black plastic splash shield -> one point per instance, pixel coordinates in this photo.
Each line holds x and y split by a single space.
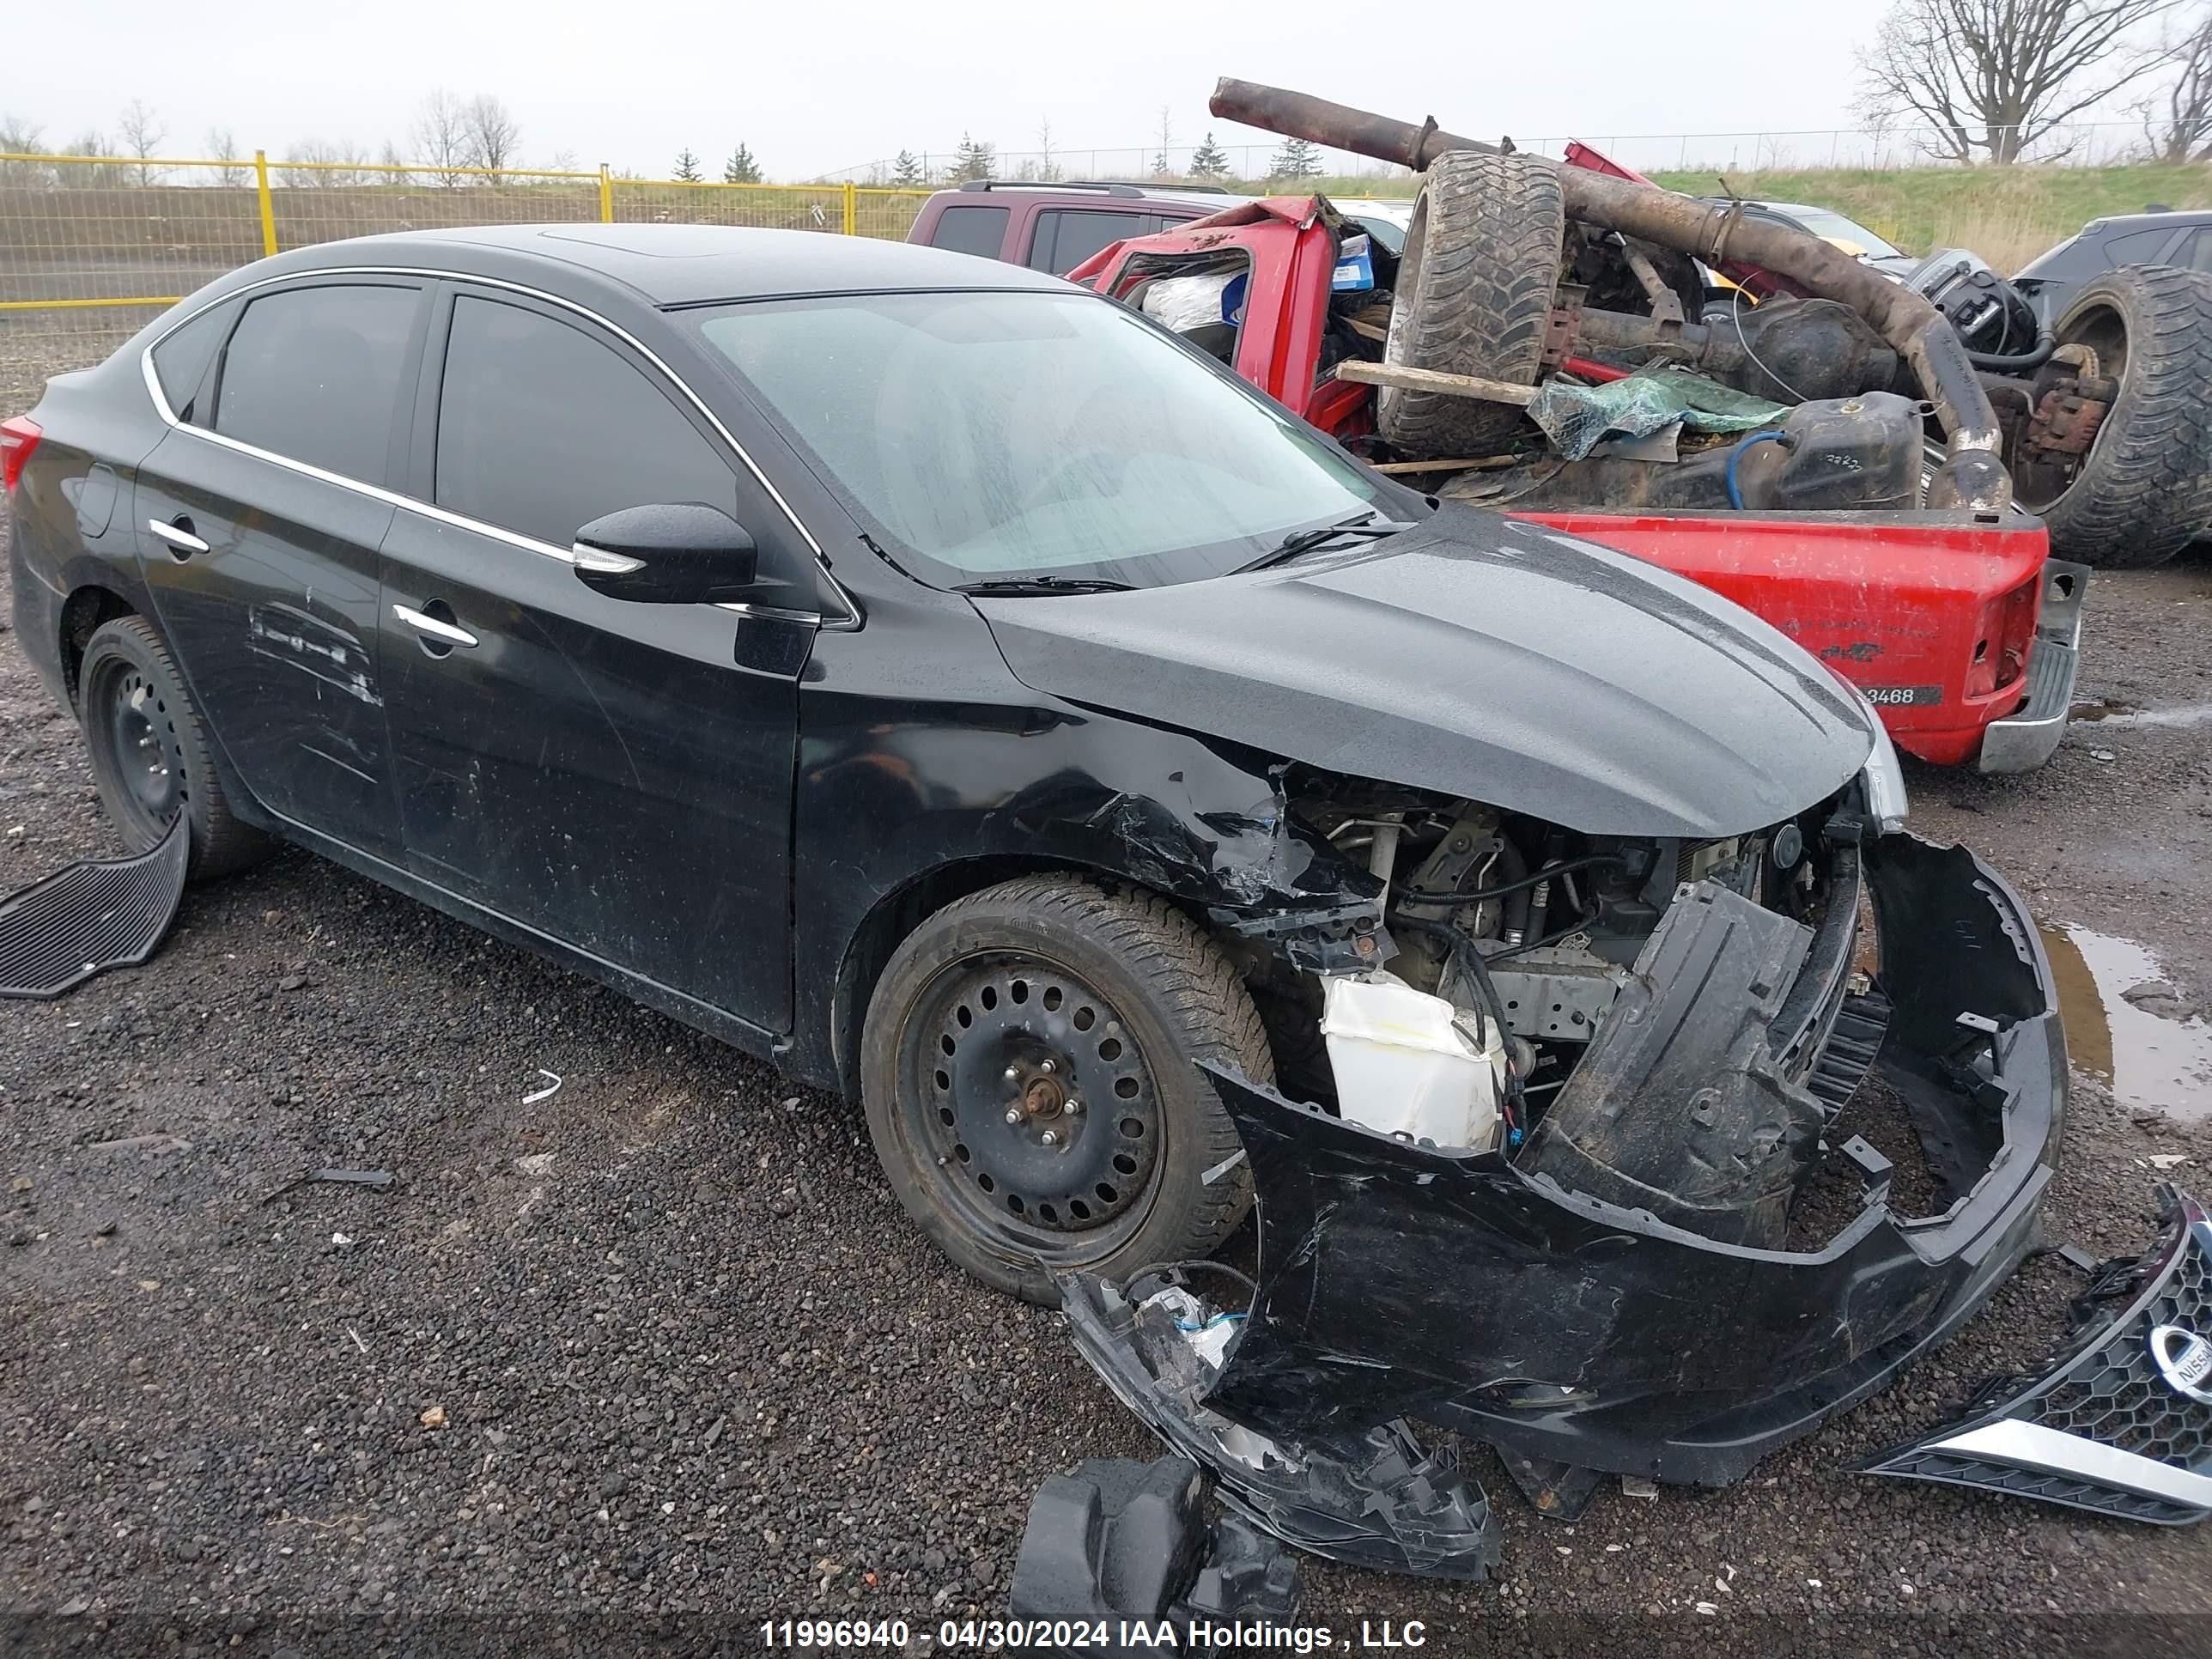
90 916
1371 1497
1118 1542
2105 1428
1399 1280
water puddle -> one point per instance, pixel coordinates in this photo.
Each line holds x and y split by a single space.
2112 713
2151 1059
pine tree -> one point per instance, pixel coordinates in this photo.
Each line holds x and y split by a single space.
1295 160
907 170
741 169
687 168
974 159
1209 160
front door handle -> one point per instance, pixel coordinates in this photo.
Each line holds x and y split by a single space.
179 535
445 632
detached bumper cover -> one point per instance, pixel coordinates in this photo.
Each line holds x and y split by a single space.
1398 1280
2122 1425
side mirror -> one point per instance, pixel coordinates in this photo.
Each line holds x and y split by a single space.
678 553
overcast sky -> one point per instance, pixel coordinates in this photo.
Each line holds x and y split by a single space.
811 88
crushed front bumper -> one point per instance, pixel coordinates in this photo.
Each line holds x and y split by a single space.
2122 1424
1398 1280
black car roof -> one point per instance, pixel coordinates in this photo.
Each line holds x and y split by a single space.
674 265
2162 219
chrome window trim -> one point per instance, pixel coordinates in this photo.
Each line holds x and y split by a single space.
850 621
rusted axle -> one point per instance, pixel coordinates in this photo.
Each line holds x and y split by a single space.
1971 474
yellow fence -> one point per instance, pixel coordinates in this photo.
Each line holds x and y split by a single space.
92 247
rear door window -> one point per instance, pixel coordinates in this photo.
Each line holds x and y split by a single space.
1066 237
2141 247
181 359
978 230
313 374
542 427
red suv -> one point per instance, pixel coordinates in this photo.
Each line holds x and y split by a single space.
1054 227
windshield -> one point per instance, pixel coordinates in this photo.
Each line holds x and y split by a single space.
1834 228
989 435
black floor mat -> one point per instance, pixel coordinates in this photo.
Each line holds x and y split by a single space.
91 916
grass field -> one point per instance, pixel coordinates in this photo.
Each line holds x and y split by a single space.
2007 214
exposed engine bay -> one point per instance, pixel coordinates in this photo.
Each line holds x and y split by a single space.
1519 944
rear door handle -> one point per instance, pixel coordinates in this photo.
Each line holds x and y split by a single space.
178 536
444 632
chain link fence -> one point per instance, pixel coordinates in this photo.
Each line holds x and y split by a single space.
93 247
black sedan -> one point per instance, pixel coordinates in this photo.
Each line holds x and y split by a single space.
941 682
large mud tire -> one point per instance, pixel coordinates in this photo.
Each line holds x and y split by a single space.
1475 294
2144 490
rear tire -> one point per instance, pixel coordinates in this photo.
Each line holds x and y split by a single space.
2144 490
150 749
1018 1000
1475 294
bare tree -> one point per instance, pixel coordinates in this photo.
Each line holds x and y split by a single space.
319 165
221 146
1996 77
91 142
1161 166
142 133
22 137
441 137
1048 170
391 165
494 136
2178 120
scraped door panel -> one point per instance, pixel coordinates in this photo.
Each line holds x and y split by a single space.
275 627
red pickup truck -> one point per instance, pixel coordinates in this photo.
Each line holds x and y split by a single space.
1958 627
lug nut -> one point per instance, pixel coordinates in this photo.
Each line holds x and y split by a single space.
1013 1074
1074 1107
1046 1066
1050 1136
1013 1114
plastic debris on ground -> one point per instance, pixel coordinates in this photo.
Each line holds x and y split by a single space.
92 915
1576 418
1374 1498
1120 1543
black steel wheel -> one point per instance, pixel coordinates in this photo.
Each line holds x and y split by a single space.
1027 1072
150 750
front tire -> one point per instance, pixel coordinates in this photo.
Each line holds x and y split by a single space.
1027 1080
150 749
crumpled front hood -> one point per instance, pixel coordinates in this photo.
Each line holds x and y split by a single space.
1477 656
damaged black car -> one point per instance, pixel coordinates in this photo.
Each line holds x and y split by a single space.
948 685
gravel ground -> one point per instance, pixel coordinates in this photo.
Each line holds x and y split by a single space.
659 1357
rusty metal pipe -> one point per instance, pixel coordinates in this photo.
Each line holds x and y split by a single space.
1971 475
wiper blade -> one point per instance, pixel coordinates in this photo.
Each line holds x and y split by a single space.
1018 586
1305 541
